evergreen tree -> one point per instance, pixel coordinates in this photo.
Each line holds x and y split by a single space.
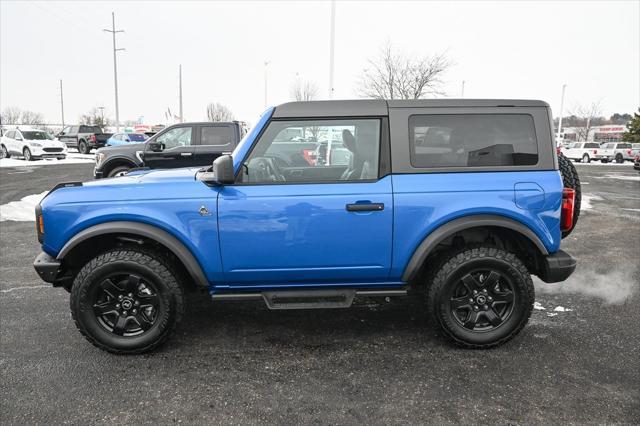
633 129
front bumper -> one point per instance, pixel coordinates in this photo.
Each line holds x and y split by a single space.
47 267
557 267
98 174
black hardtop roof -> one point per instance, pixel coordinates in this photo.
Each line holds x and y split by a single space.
378 107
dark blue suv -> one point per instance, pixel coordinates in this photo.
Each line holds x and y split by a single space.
457 200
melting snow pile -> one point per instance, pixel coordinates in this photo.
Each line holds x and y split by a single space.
23 210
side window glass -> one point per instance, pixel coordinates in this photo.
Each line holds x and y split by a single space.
456 140
73 130
11 134
315 151
66 130
176 138
216 135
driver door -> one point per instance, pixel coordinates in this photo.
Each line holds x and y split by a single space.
171 149
287 224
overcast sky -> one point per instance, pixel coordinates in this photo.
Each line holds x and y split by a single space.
502 49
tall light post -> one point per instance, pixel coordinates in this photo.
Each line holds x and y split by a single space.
462 91
332 44
61 103
266 63
180 76
101 108
564 86
113 32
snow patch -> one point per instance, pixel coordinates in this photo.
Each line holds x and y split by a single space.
23 210
619 177
538 307
550 314
562 309
586 201
71 159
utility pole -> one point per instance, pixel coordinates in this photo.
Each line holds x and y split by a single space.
332 43
101 108
462 92
61 103
564 86
113 32
180 76
266 104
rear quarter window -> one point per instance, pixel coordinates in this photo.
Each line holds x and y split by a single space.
472 140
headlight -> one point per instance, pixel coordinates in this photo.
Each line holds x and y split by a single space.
99 158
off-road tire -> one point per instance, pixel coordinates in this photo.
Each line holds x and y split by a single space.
149 265
116 170
83 148
449 274
4 153
570 179
26 154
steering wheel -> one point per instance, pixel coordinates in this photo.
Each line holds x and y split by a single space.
264 169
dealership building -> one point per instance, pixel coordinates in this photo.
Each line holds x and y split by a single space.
605 133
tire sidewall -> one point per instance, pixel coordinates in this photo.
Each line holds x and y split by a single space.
518 314
83 300
586 158
28 157
4 152
117 170
82 147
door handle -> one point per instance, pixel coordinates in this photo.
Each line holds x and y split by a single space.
186 154
365 207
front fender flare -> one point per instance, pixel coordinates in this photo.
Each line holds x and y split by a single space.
457 225
143 230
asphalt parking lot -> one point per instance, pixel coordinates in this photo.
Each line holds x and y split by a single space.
377 362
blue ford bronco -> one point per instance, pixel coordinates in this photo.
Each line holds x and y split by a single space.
456 200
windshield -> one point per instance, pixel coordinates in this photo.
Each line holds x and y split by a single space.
36 135
137 137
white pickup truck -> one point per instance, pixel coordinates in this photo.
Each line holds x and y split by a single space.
582 151
618 151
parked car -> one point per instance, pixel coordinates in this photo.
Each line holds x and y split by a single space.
619 151
84 138
31 144
126 138
180 145
636 162
635 149
582 151
413 210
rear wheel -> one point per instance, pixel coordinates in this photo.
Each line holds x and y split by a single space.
83 148
26 153
586 158
4 153
127 301
481 297
570 179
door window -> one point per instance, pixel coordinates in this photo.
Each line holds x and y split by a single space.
11 134
309 151
66 130
216 135
472 140
73 130
176 138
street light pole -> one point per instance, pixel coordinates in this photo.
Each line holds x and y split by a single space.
181 116
265 83
332 43
564 86
61 103
113 32
101 108
462 92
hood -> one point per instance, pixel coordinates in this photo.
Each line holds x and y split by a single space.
47 143
126 147
138 177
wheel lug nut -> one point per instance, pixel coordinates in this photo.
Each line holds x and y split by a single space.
120 297
117 305
475 291
130 294
485 307
490 299
475 307
135 311
136 303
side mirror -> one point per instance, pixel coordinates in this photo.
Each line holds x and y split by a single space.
221 171
60 134
155 146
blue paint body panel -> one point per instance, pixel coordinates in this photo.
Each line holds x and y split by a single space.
260 237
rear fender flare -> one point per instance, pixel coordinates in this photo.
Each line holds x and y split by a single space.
148 231
446 230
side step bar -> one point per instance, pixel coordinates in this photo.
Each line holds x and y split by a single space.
308 299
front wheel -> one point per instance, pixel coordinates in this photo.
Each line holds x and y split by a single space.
4 153
83 148
481 297
119 171
26 153
127 301
586 158
619 159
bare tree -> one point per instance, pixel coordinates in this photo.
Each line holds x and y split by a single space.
393 75
14 115
218 112
304 90
586 117
95 117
